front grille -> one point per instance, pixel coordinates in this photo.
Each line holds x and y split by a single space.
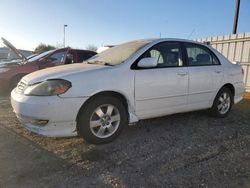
20 87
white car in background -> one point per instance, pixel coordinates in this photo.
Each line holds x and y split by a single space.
103 48
124 84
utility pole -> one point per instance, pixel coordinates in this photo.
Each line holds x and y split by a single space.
236 15
64 26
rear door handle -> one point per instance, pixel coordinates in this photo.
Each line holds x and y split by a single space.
218 71
182 73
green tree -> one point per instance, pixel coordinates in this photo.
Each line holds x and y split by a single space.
43 48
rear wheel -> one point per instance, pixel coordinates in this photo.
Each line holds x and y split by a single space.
101 120
223 103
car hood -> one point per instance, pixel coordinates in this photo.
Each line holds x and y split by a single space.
16 51
59 72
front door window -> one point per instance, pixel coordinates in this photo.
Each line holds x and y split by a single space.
166 54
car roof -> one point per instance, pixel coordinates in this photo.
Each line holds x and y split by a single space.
156 40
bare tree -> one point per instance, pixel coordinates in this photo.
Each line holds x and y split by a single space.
91 47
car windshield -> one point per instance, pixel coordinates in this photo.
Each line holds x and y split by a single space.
118 54
31 56
37 57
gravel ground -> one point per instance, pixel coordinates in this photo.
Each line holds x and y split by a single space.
182 150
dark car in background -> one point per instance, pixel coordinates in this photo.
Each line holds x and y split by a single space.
10 74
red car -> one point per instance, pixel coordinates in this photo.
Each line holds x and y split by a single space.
10 74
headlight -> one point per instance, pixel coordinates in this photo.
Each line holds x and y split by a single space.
48 88
3 70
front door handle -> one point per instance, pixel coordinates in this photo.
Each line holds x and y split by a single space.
182 73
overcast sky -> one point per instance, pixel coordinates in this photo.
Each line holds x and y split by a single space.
26 23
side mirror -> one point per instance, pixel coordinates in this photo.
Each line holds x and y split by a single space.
147 62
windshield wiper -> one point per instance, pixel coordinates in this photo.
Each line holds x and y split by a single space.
100 63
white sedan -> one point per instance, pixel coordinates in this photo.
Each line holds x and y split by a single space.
129 82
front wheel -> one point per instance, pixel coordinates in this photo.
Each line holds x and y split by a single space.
101 120
223 103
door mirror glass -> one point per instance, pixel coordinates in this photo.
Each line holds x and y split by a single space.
147 62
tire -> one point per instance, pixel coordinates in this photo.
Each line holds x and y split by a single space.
102 120
223 103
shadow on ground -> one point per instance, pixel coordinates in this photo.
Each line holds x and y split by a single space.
182 150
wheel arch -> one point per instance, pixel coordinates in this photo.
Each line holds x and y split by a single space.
230 87
226 85
115 94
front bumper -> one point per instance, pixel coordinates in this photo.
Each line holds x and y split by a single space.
60 113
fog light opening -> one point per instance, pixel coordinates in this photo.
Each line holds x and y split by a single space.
40 122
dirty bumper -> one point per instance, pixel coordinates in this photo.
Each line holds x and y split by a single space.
51 116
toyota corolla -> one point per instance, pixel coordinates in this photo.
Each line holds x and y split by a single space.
136 80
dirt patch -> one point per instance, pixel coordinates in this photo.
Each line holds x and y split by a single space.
247 95
182 150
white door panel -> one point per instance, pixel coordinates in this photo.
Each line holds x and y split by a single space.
160 91
205 75
204 83
200 84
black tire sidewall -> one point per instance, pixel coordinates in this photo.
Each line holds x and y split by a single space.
215 111
83 127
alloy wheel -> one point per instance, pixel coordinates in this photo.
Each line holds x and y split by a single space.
104 121
224 103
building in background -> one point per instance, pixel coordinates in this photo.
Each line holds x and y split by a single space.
8 55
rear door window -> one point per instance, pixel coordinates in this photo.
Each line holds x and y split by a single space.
199 56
